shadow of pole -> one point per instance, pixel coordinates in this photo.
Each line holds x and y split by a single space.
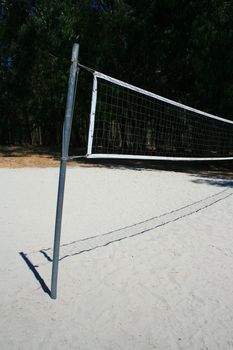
35 273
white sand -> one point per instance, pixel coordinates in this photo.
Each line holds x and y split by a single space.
168 286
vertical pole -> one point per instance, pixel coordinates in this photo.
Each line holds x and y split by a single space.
73 78
92 116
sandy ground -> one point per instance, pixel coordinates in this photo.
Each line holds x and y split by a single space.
146 260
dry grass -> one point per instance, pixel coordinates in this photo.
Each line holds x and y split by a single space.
24 157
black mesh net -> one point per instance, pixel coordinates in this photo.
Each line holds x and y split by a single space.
128 122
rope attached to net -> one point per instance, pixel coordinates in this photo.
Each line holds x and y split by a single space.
86 68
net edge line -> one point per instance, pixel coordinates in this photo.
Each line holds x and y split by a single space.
139 157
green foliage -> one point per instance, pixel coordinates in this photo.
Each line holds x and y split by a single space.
180 49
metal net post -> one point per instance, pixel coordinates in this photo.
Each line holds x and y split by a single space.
73 78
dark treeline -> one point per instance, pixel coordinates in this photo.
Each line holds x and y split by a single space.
181 49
